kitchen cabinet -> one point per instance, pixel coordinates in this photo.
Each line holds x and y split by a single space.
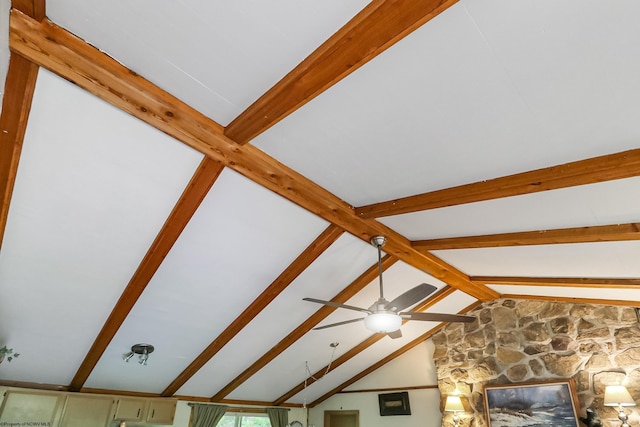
21 407
129 408
86 410
161 411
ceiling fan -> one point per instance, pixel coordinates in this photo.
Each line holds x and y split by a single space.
384 316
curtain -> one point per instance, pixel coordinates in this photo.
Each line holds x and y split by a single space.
207 415
279 417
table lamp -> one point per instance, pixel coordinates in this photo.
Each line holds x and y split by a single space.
454 404
618 395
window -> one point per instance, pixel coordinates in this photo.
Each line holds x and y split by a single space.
241 420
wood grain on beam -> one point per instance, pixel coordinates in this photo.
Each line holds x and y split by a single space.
200 184
299 265
64 54
600 283
36 9
437 297
371 31
386 360
343 296
597 301
597 169
603 233
16 105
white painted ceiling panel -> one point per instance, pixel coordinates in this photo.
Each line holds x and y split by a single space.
199 289
94 187
601 259
570 77
218 56
603 203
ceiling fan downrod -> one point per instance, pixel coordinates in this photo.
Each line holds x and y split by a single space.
378 242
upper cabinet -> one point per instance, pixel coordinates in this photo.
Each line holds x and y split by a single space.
86 410
161 411
129 408
63 409
21 407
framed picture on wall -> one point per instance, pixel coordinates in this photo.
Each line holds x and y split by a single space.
394 404
548 403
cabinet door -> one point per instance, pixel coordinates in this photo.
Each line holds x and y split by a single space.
129 409
35 408
86 411
161 411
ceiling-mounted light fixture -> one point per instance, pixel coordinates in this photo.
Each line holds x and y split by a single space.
142 350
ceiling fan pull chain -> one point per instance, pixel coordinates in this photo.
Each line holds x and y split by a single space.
333 345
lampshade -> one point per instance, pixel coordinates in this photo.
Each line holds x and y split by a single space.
383 322
617 395
453 404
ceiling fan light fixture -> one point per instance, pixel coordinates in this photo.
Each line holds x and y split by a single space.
383 322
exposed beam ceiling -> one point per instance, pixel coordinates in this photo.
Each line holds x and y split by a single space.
59 51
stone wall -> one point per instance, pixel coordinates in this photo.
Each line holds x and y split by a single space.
516 341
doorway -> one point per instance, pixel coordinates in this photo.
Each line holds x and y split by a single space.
341 418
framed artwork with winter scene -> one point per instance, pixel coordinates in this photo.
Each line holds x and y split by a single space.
548 403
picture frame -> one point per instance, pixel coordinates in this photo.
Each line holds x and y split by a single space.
394 404
533 403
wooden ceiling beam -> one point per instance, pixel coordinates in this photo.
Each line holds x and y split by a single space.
19 86
602 233
354 351
596 283
203 179
596 301
402 350
16 105
66 55
299 265
378 26
597 169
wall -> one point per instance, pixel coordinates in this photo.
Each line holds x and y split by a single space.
518 341
414 368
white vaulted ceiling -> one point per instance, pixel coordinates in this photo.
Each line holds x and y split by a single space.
184 173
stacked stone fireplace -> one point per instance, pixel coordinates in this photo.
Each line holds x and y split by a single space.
515 341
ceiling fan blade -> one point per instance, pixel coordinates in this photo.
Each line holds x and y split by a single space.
395 334
337 304
338 324
411 297
437 317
